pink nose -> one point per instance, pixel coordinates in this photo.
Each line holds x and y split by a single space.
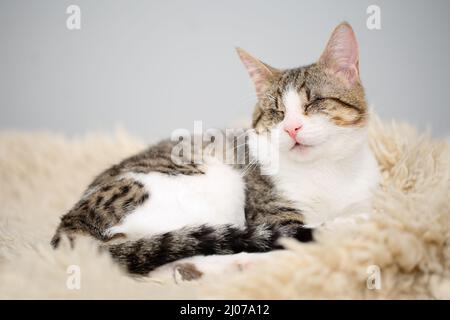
292 129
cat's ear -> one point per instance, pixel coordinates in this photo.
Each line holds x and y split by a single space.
261 73
341 54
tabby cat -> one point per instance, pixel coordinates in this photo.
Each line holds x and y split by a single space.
150 210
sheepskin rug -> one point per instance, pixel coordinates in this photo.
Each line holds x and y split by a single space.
402 253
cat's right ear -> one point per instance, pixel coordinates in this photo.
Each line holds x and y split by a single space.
261 73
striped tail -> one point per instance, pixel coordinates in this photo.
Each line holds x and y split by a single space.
143 255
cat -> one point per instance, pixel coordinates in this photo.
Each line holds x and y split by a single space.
150 210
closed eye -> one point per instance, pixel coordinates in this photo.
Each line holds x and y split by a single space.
276 112
337 100
313 102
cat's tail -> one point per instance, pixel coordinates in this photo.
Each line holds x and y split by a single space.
143 255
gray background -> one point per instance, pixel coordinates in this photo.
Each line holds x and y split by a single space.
153 66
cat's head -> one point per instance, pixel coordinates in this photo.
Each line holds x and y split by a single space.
318 110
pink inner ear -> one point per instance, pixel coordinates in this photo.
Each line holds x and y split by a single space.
259 73
351 74
259 77
341 53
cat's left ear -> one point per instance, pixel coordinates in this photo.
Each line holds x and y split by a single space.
341 54
261 73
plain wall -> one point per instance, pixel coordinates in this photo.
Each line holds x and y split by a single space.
154 66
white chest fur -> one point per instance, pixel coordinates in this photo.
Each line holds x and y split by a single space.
325 190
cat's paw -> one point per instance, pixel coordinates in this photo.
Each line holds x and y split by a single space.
186 272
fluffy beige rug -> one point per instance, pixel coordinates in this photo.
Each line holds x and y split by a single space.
404 252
